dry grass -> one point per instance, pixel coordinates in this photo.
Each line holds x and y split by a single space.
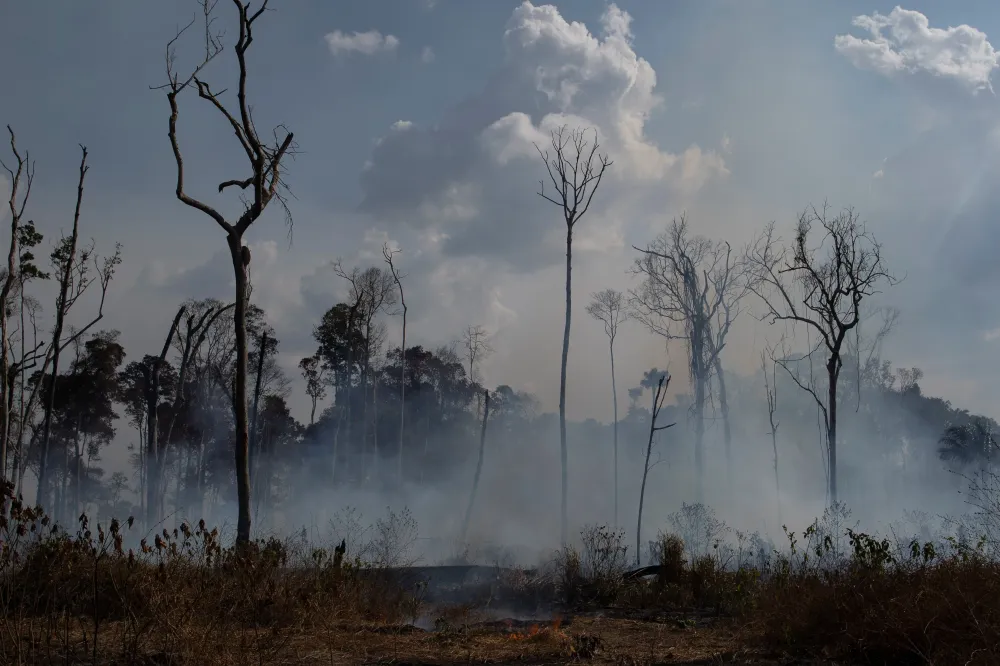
181 598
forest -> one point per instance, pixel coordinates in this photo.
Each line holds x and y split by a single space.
469 473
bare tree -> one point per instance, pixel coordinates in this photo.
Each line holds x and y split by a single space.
72 265
388 254
479 466
835 278
771 391
608 307
154 457
21 175
691 290
265 182
575 169
659 394
478 347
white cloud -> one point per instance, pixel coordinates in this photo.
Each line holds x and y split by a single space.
427 55
466 176
903 41
991 335
365 43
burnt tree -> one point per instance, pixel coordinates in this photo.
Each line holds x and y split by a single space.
264 159
575 169
608 308
821 287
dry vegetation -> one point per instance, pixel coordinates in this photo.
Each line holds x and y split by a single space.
181 598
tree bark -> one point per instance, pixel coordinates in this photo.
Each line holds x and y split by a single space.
254 446
833 372
563 453
240 403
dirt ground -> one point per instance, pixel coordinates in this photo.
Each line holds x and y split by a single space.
464 637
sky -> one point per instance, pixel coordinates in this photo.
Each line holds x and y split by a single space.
415 121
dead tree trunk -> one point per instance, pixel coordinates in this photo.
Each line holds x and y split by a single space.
771 389
388 254
575 178
154 458
254 446
658 397
607 307
479 467
24 169
61 302
240 399
265 182
727 433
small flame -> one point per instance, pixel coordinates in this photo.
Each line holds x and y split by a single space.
535 630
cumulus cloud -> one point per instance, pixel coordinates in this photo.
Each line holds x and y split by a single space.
427 55
904 42
365 43
466 177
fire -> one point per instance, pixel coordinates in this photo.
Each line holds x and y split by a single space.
535 630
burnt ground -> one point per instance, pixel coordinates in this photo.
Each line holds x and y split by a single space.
458 635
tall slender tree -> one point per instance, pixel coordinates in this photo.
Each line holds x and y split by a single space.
575 169
388 255
265 182
71 264
608 307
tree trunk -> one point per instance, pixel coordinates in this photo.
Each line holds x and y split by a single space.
61 308
699 431
402 398
614 399
833 373
242 430
7 387
563 454
256 398
154 486
479 467
645 470
78 493
727 432
51 400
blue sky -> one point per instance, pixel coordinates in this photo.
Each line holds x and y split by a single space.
754 114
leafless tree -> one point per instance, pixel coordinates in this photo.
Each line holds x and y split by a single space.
834 278
479 467
608 307
575 169
154 457
767 368
388 254
659 394
477 346
692 289
22 175
72 266
265 182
